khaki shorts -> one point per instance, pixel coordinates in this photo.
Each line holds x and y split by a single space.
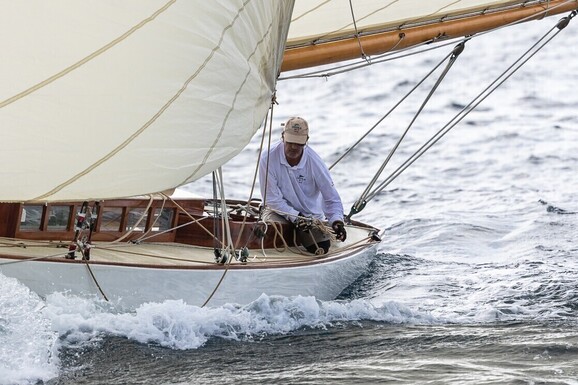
306 238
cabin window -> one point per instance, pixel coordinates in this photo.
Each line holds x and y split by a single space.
134 218
58 218
31 217
111 218
163 219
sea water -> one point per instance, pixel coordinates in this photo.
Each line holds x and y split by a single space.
475 281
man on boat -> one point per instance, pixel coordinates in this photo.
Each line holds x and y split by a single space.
296 186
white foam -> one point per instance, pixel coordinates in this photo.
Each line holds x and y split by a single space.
32 331
28 345
176 325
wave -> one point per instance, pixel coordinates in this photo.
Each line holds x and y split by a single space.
177 325
68 323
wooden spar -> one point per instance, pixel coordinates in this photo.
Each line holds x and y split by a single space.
333 52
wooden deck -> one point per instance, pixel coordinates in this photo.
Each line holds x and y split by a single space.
159 233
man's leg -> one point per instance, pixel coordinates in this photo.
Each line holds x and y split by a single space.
315 241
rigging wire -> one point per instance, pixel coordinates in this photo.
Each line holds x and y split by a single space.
513 68
268 151
362 200
215 216
228 242
194 220
87 264
268 118
363 55
415 87
225 217
224 211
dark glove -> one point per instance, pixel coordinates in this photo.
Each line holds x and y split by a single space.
303 223
339 230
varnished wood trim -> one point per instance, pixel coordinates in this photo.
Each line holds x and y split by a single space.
333 52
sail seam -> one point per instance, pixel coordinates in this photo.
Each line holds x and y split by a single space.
326 37
86 59
311 11
150 121
227 116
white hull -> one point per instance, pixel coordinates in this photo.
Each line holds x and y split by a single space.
127 287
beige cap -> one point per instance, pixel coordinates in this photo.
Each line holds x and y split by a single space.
296 131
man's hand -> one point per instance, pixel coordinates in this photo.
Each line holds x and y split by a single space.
303 223
339 229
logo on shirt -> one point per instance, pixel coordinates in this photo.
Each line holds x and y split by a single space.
301 179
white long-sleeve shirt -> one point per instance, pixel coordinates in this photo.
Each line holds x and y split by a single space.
306 188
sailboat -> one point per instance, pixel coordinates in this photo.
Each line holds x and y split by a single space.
107 108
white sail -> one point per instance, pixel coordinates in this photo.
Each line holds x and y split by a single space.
306 25
103 99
